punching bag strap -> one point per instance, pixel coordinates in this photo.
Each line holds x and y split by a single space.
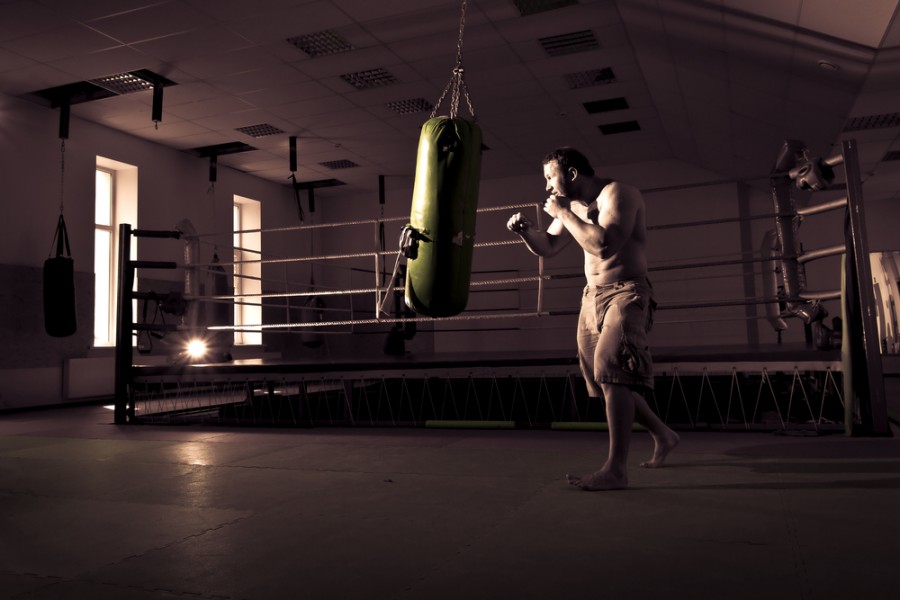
409 247
61 239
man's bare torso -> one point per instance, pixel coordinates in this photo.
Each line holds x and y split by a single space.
628 261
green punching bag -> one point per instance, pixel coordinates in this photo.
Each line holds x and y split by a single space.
442 218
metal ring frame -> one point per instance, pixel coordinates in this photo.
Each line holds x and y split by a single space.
855 249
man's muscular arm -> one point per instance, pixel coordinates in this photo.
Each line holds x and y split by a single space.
540 243
605 233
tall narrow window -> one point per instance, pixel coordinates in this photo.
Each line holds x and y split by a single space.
247 271
104 268
115 202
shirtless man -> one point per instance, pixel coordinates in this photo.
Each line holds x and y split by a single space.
606 218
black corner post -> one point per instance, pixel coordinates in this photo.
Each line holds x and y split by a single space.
861 350
124 408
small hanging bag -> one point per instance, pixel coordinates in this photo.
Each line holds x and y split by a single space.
59 286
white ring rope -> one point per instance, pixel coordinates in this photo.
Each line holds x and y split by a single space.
349 223
485 282
372 321
300 259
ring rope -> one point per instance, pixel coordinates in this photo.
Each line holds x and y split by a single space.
391 320
720 263
351 223
718 221
800 213
294 259
506 281
372 321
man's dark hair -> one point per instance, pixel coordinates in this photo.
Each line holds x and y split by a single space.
567 157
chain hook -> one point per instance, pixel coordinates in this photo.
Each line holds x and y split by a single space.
457 84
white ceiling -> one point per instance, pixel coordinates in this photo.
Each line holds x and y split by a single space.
718 84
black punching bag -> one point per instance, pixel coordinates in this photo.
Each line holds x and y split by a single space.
59 286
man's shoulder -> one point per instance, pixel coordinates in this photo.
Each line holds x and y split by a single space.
620 189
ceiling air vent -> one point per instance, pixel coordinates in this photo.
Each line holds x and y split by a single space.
584 79
873 122
620 127
363 80
339 164
408 107
531 7
321 43
892 155
259 131
570 43
607 105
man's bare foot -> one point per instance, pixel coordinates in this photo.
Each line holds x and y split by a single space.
663 445
600 480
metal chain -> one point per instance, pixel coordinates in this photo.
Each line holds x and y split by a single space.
459 41
456 84
62 174
454 99
465 89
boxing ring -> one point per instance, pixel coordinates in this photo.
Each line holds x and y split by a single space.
809 389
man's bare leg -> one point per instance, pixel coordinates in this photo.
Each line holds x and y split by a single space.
664 438
620 411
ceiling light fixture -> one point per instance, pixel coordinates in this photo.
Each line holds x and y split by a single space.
583 79
828 65
123 83
605 105
371 78
339 164
570 43
260 130
620 127
321 43
531 7
413 105
882 121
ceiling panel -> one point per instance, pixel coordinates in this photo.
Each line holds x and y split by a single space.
715 84
843 19
785 11
43 46
149 22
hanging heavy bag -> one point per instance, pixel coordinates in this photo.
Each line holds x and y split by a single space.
59 286
442 218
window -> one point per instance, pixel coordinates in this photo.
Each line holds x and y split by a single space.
247 275
115 202
104 202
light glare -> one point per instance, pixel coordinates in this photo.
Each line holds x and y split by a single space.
196 348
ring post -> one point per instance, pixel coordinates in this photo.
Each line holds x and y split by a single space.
124 326
861 353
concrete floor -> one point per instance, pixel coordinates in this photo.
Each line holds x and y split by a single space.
93 510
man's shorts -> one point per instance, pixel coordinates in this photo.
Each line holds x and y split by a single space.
612 335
